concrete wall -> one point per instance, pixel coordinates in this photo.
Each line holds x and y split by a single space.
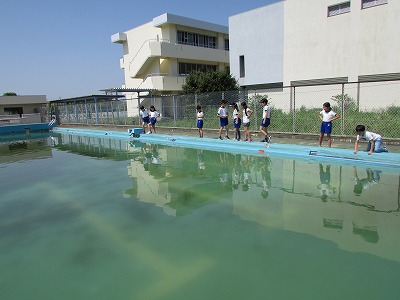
296 40
360 42
258 35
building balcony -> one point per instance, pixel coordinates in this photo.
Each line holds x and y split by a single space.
118 38
152 49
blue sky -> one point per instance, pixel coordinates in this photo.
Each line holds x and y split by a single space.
63 49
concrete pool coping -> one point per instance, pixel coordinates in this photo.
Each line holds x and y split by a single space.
305 152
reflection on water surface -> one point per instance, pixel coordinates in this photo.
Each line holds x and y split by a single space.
105 219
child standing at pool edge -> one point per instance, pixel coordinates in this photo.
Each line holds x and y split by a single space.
236 121
374 140
200 117
327 115
266 120
247 112
153 119
143 113
223 119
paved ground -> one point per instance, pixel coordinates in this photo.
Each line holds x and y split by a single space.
298 139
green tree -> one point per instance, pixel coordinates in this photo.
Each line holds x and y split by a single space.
253 101
10 94
205 82
346 101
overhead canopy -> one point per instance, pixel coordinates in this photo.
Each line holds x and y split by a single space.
127 90
110 94
87 98
159 96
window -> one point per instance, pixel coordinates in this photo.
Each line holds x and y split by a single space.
187 68
241 66
211 42
191 37
226 44
371 3
194 39
338 9
13 111
202 40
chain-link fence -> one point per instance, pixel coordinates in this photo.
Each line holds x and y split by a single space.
294 109
105 112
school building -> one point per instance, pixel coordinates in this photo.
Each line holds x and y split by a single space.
308 42
160 54
289 43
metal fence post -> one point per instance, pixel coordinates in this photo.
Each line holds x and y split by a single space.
67 112
95 111
291 100
342 112
162 106
124 111
119 121
86 113
112 112
294 110
76 112
107 109
174 109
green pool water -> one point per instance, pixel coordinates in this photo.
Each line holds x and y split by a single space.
90 218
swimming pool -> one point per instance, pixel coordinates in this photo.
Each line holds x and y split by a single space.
91 217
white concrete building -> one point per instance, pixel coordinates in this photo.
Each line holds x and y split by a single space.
160 54
292 43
